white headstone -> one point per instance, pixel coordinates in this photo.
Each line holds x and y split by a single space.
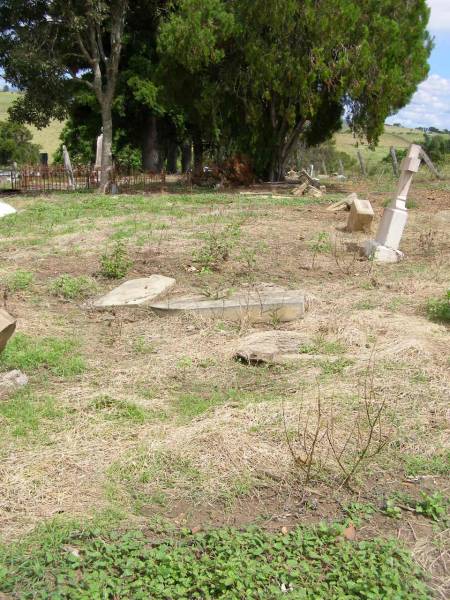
68 167
6 209
385 247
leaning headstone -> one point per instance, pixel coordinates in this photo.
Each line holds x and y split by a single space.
344 204
271 347
263 306
136 292
385 246
299 190
11 382
361 216
6 209
7 328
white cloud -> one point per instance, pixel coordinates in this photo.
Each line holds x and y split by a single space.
429 107
440 15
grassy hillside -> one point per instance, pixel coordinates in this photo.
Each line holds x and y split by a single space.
47 138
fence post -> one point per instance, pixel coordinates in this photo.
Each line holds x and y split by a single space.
427 160
362 164
324 168
394 161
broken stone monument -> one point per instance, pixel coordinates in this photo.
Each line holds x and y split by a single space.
6 209
136 292
68 168
99 151
361 216
265 306
385 247
7 328
11 382
271 347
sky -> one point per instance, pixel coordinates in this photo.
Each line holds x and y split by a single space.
430 105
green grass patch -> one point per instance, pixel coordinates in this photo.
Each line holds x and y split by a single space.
120 410
78 563
19 281
72 288
322 346
58 356
25 414
438 309
437 464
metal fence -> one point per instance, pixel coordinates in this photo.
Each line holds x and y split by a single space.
56 178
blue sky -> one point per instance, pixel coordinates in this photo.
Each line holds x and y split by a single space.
430 106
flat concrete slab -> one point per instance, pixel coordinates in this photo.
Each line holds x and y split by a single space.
271 347
257 307
6 209
136 292
7 328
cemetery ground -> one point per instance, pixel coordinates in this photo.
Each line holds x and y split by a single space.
143 422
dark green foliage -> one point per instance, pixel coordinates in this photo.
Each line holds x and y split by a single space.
16 145
306 564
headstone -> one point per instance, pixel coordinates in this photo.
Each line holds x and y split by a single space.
99 151
271 347
11 382
345 203
6 209
311 171
68 167
263 306
361 216
136 292
299 190
385 247
7 328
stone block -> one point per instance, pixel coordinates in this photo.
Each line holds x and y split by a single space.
361 216
410 164
136 292
256 307
271 347
7 328
11 382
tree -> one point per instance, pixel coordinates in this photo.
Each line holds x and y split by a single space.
293 68
49 46
16 145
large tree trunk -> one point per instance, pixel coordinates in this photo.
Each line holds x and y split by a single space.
172 156
186 157
283 150
107 146
150 147
199 151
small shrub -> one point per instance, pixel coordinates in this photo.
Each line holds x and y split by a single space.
217 247
19 281
116 264
438 309
58 356
72 288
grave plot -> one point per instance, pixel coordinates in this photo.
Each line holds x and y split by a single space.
191 419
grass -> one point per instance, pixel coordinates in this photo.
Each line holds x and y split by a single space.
120 410
438 309
436 464
60 357
308 563
72 288
25 414
19 281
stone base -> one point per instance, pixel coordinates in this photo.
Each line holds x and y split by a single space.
378 253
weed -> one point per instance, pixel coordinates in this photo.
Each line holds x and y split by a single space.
427 242
433 506
58 356
437 464
76 562
364 305
438 309
334 367
19 281
141 346
322 346
357 512
217 247
320 245
72 288
115 264
120 409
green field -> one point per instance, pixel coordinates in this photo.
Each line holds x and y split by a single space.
47 138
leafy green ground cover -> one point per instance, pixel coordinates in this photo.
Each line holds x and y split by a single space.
307 563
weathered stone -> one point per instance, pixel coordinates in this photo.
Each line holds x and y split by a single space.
11 382
6 209
361 216
136 292
271 347
7 327
345 203
257 307
313 191
299 190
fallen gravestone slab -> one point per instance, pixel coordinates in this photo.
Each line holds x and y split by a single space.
361 216
11 382
6 209
136 292
345 203
258 307
271 347
7 327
